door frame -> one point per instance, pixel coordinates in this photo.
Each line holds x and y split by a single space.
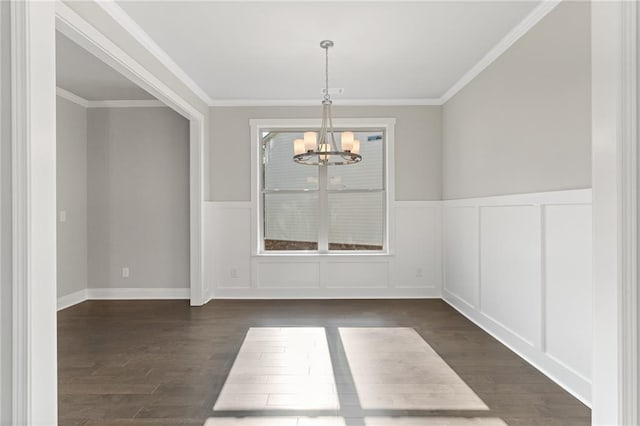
33 341
72 25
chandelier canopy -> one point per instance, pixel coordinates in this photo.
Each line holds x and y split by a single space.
322 149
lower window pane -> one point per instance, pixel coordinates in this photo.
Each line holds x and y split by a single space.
356 221
291 221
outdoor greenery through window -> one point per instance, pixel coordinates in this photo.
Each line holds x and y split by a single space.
322 208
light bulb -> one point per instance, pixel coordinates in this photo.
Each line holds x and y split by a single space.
298 147
356 147
324 147
310 141
347 141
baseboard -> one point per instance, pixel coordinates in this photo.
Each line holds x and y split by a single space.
137 293
326 294
72 299
122 294
559 373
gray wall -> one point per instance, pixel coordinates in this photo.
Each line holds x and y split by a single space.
71 196
5 216
524 124
114 31
138 198
417 147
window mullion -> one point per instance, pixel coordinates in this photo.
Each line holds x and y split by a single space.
323 210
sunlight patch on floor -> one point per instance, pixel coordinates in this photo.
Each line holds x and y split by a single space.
275 421
394 368
433 421
281 369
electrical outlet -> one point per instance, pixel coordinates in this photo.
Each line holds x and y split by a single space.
233 272
125 272
418 272
62 216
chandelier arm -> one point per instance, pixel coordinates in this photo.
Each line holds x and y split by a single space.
323 127
334 146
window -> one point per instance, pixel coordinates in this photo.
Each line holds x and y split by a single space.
319 209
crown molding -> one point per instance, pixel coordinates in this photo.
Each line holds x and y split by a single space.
72 97
143 103
135 103
132 27
503 45
316 102
118 14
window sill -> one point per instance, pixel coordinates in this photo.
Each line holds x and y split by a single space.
323 255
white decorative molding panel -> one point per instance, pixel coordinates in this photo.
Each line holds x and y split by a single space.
519 266
412 269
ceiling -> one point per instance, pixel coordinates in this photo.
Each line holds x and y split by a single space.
84 75
269 50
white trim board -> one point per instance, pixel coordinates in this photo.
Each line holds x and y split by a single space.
489 326
71 299
132 27
33 187
122 294
137 293
317 102
71 97
503 45
133 103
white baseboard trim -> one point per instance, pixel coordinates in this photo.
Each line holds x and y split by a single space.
137 293
72 299
122 294
559 373
326 294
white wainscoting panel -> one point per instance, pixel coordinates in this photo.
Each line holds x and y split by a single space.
568 295
461 253
294 275
412 269
353 274
519 266
417 245
510 268
227 245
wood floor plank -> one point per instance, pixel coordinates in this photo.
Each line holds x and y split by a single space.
165 363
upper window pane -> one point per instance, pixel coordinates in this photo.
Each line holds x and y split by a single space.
369 173
280 171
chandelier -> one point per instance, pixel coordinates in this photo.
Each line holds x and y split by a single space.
323 150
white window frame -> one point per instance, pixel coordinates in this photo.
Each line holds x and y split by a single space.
387 125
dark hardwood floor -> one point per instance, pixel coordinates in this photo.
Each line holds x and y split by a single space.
164 363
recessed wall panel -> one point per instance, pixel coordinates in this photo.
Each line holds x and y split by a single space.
461 252
568 286
233 247
357 274
416 247
510 268
288 275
